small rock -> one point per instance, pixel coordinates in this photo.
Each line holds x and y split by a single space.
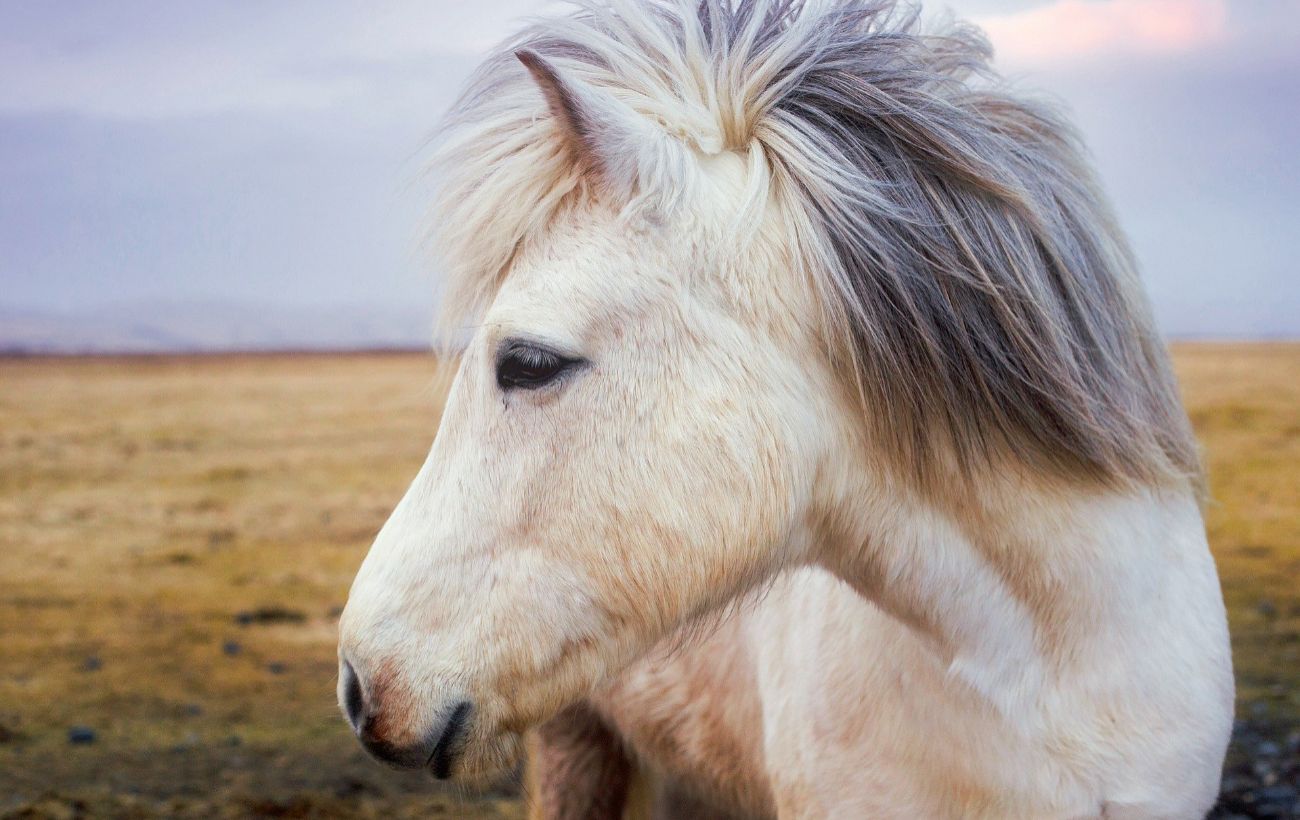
269 615
1234 783
232 648
192 710
92 663
1277 794
81 735
276 668
351 787
1268 749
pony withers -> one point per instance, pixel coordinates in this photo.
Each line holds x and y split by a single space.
813 452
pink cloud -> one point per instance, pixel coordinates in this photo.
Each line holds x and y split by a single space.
1073 30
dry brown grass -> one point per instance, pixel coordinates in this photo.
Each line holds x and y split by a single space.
146 503
1244 400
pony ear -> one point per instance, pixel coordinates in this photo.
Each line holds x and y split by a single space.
621 148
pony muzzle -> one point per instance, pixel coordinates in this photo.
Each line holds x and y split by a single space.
385 736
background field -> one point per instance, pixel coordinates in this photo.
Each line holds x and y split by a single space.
177 535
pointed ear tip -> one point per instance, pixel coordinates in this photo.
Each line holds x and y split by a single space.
545 74
537 66
531 59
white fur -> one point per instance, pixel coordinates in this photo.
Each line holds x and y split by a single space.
1033 646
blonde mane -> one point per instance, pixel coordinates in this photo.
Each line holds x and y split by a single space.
978 289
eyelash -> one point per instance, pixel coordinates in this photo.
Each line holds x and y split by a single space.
527 366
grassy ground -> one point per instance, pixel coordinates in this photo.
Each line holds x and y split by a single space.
1244 401
177 535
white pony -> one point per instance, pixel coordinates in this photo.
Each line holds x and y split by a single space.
814 453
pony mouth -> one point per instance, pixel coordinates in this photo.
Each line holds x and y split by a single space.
452 744
476 761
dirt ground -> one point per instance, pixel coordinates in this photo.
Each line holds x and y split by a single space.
177 536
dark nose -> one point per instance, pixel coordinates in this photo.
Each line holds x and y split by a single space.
438 750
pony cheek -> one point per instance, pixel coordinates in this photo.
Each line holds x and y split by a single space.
535 638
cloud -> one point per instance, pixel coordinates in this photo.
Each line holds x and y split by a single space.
1071 31
270 152
203 59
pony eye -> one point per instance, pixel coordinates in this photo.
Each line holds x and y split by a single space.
528 367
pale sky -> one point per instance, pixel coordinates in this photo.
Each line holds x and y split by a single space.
270 153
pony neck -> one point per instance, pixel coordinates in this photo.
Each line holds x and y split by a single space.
1014 587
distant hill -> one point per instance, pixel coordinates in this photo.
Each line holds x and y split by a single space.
192 327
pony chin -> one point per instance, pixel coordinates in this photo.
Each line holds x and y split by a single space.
488 761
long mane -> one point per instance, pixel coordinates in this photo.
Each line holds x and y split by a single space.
980 295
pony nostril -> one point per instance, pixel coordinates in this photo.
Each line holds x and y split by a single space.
353 700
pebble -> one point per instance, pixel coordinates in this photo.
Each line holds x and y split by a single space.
269 615
232 648
81 735
92 663
1262 777
1278 794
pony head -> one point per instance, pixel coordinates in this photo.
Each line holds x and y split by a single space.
730 274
